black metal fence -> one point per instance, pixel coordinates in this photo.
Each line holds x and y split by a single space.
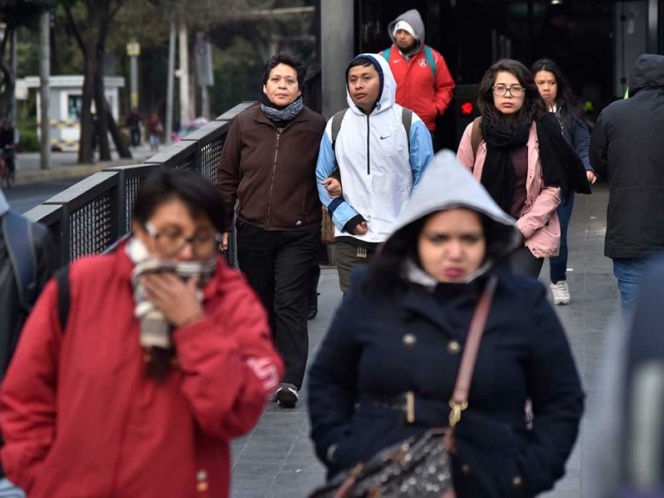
90 216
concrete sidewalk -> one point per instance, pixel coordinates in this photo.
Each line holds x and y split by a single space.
65 165
277 460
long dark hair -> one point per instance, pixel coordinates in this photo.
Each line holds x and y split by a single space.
533 104
566 100
202 199
385 269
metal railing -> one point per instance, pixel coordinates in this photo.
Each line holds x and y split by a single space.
90 216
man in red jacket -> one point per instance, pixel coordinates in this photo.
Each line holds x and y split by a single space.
424 83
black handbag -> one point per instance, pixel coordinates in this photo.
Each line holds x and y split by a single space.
419 467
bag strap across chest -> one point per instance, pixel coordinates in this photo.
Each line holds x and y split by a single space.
459 401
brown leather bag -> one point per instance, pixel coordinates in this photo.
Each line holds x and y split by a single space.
419 467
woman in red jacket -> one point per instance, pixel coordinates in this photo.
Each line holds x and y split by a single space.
165 355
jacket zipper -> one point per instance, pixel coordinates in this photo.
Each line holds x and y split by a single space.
368 147
274 170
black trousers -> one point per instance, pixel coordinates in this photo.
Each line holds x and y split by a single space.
314 277
278 265
524 263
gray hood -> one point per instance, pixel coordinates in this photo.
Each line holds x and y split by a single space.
413 18
4 205
647 73
447 184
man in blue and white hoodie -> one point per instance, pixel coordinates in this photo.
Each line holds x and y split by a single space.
378 159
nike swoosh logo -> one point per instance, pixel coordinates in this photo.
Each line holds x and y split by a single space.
386 136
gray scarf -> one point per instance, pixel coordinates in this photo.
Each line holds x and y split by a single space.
281 115
155 328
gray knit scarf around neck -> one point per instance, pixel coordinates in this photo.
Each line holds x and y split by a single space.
281 115
155 328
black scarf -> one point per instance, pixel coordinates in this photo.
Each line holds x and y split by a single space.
561 165
498 172
281 115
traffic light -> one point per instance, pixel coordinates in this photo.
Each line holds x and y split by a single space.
467 108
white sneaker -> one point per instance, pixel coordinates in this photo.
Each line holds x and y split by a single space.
560 292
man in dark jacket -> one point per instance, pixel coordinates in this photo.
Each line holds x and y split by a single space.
626 145
14 303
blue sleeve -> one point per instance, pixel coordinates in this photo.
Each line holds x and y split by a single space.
581 142
339 210
421 149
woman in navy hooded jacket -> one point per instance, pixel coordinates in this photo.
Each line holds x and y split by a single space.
557 93
401 332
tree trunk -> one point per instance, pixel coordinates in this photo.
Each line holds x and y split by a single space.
85 152
100 106
121 145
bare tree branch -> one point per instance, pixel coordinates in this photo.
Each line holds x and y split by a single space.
75 29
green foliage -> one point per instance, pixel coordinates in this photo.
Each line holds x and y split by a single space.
237 76
29 141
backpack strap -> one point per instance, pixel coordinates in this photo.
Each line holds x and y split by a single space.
386 54
428 54
476 135
336 125
17 234
407 120
64 296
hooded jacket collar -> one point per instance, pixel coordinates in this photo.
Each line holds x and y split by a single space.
388 91
447 184
413 18
647 73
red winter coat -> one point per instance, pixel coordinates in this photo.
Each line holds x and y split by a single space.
81 419
416 88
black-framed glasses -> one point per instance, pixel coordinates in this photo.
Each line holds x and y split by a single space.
515 91
171 244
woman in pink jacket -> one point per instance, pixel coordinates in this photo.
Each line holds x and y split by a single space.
505 153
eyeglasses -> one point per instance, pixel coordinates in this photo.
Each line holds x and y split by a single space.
515 91
170 244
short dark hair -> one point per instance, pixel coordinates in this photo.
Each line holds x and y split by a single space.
533 104
201 196
289 59
360 61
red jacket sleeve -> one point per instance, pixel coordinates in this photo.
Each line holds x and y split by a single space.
444 85
27 398
230 367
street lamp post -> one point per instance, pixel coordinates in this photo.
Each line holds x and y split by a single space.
133 51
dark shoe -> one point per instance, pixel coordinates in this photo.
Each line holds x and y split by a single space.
312 313
287 395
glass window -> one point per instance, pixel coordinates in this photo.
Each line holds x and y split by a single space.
75 105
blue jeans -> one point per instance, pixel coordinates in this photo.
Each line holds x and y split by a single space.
629 273
558 264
